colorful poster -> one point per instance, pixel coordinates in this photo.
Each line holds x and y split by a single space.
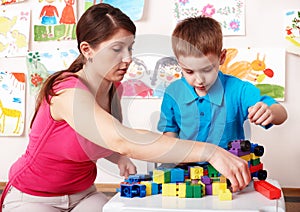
14 32
134 8
264 67
292 31
12 103
149 75
41 64
54 20
230 13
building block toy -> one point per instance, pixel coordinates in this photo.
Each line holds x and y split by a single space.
133 190
267 189
195 180
225 195
138 178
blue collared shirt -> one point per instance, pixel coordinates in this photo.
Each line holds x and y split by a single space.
217 117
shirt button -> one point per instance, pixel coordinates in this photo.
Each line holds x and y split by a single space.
202 114
201 100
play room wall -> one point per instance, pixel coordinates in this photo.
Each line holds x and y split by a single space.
264 28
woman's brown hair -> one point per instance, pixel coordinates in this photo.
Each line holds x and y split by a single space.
97 24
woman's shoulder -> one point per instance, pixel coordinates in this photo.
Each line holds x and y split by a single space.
69 80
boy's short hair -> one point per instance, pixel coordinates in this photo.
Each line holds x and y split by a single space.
197 36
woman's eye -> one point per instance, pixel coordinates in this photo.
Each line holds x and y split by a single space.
117 49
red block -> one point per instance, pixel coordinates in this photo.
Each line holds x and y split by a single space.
256 168
267 189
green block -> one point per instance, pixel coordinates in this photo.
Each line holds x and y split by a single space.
255 161
189 191
167 175
197 191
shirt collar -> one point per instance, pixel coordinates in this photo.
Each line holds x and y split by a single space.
215 94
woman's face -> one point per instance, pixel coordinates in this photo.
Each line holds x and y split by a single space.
112 57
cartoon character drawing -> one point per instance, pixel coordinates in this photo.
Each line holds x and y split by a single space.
289 31
68 19
7 24
166 71
132 85
48 15
9 112
254 71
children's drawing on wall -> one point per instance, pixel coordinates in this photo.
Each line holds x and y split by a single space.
133 8
148 76
41 64
230 13
14 32
54 20
6 2
264 67
12 103
292 31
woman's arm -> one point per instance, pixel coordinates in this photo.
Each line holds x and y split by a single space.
79 109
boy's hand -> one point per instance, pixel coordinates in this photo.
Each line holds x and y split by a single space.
260 114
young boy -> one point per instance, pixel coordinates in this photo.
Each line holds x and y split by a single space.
205 104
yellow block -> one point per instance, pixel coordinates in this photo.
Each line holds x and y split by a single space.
182 190
246 157
148 187
196 172
225 195
169 189
158 176
253 156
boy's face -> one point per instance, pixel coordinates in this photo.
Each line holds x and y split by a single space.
201 72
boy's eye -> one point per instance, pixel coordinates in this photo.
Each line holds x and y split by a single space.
188 71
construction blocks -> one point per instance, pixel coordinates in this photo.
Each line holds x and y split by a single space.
199 179
267 189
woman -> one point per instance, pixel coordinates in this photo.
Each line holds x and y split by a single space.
78 120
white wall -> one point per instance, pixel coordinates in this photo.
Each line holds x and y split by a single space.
264 28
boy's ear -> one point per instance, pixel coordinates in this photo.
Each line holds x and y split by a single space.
86 49
223 56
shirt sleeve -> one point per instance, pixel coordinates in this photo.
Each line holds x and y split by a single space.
251 95
167 121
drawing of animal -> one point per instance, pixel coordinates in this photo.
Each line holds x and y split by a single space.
254 71
8 112
20 39
3 47
7 24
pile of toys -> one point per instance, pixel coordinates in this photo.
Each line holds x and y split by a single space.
198 180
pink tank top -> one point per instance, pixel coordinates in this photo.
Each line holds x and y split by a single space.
58 161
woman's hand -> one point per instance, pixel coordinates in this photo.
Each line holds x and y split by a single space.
235 169
125 165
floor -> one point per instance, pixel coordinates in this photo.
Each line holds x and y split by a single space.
292 200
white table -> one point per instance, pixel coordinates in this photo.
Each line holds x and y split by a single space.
246 200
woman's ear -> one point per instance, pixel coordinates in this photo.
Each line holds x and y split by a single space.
223 56
86 49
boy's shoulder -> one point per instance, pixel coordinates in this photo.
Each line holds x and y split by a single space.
176 84
233 81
